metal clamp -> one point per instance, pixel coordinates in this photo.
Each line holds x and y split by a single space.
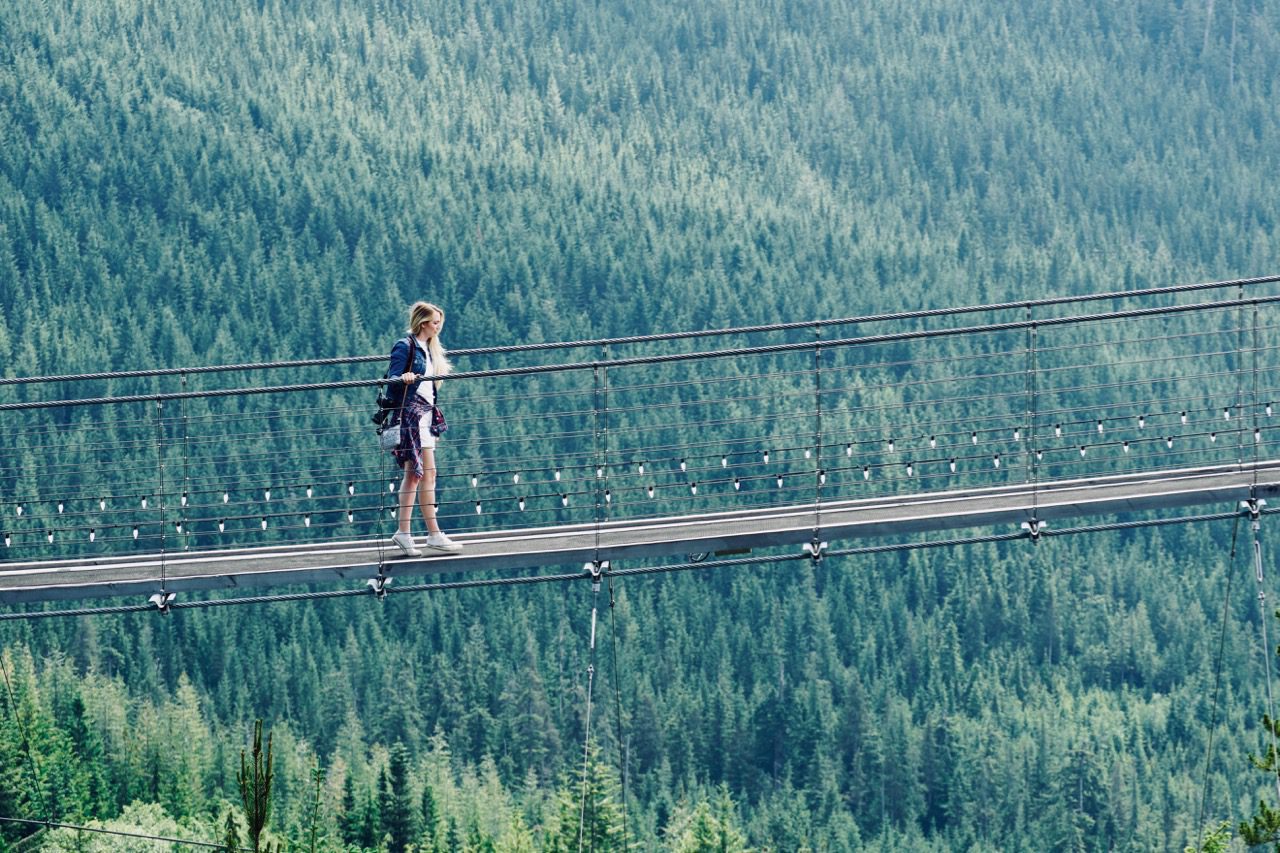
162 600
1034 527
597 568
1254 506
379 585
815 549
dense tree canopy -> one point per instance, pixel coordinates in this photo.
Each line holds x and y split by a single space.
229 180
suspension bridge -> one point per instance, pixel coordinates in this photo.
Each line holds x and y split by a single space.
1012 419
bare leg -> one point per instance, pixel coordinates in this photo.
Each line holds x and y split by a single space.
408 492
427 490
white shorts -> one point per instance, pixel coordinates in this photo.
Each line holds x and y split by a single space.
424 432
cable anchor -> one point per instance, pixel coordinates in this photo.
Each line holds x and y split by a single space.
162 600
815 549
1034 528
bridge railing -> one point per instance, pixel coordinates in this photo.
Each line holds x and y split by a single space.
595 432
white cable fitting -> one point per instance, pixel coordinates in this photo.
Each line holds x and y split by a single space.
162 600
379 586
815 549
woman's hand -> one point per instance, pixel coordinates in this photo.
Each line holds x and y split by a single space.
408 378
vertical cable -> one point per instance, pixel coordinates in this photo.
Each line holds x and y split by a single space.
1217 684
1239 354
160 489
1257 434
591 677
186 470
39 798
1267 651
1033 404
600 375
818 474
617 701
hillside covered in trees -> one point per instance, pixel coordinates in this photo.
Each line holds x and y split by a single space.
224 181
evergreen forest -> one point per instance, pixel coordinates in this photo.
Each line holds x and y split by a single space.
229 181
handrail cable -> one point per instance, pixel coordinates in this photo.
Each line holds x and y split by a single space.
671 336
630 361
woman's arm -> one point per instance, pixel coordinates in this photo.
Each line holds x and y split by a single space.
400 364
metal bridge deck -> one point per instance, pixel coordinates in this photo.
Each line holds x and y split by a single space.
645 538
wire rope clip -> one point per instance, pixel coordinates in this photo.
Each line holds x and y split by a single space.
597 568
1254 506
162 600
379 586
1034 528
815 550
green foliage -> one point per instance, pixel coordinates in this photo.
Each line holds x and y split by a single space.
255 790
233 180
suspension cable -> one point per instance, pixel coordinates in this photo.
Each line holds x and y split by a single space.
39 799
596 572
623 751
1217 683
104 831
1267 651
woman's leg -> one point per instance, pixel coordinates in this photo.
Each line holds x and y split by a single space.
427 489
408 491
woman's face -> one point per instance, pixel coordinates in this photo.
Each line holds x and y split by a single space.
431 327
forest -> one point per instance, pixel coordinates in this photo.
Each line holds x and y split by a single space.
229 181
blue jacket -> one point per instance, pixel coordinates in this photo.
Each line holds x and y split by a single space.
396 389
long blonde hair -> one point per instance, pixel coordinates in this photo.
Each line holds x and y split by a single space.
419 313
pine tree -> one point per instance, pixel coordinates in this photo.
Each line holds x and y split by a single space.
255 791
397 812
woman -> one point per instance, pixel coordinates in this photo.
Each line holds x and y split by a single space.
419 355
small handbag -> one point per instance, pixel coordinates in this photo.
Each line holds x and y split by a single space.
389 436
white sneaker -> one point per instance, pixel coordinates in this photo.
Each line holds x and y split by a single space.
440 542
406 543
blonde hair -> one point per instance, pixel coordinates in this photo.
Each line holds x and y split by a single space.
419 313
